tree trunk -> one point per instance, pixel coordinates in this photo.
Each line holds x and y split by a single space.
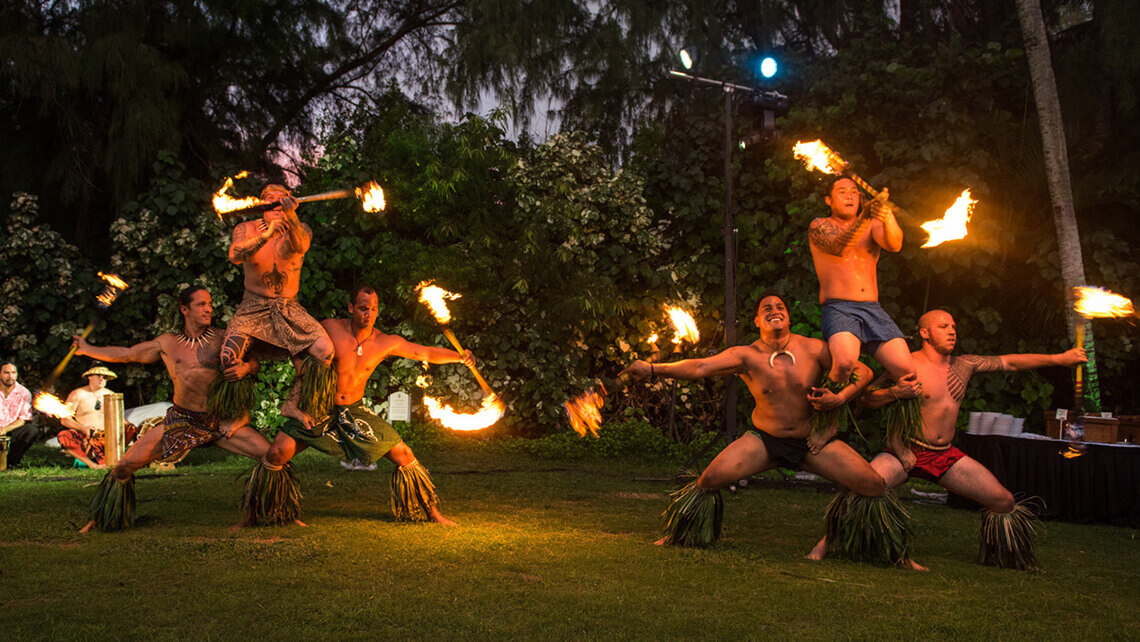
1056 156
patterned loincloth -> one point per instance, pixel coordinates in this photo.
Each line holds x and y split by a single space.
350 432
184 430
92 446
280 322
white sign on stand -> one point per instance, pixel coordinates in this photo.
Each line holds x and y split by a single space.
399 406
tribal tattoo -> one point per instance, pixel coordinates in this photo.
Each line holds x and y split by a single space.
275 280
828 236
243 249
963 367
233 348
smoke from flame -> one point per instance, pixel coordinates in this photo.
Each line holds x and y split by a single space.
818 156
1098 303
952 225
585 412
371 196
50 404
684 325
225 203
434 297
490 412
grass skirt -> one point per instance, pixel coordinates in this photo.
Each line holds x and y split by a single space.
113 508
695 517
868 529
1008 540
822 420
413 493
271 497
231 399
318 388
902 420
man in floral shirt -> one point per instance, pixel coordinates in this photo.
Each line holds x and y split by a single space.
16 421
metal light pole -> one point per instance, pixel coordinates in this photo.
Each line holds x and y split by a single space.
729 236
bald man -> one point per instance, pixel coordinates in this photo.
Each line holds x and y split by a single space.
942 380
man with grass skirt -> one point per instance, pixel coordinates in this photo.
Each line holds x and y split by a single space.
845 248
779 369
1007 530
271 251
350 430
191 358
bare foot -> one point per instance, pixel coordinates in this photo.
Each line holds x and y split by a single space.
661 542
438 518
87 529
819 552
915 566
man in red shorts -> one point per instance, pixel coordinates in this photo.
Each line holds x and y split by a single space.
942 380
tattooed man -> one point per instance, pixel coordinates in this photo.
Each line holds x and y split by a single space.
271 251
943 378
191 359
845 248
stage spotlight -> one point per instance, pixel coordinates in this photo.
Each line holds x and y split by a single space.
686 60
768 67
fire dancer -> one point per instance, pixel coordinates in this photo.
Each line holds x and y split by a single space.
271 251
779 370
845 248
191 357
351 431
942 380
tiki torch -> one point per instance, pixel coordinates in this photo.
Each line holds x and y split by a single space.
492 409
370 194
1094 303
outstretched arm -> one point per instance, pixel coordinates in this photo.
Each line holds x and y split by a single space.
408 350
145 352
728 362
1015 362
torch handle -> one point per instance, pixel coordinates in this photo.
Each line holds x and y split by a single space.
458 348
70 353
899 212
265 206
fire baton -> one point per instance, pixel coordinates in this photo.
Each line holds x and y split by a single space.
115 286
370 194
817 155
434 297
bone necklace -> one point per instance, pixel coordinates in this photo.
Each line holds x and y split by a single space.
195 341
777 352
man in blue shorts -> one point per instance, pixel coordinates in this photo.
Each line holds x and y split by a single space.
845 248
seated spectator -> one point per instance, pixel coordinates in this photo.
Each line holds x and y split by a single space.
83 433
16 419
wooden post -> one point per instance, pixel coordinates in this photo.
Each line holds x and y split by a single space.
114 437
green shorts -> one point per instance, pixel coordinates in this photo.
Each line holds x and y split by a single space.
349 432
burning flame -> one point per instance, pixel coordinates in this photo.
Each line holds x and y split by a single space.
115 287
434 297
684 324
952 225
1100 303
225 203
490 412
818 156
585 412
1071 453
50 404
371 196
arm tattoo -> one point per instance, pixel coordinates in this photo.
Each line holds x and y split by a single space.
233 349
963 367
827 236
244 247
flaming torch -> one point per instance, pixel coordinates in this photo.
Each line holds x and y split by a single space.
111 291
952 225
1094 303
370 194
492 409
818 156
584 411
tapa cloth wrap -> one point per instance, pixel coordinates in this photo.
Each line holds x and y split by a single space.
349 432
280 322
184 430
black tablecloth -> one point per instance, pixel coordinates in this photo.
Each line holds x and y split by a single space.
1103 485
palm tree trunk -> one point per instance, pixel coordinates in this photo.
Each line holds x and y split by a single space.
1056 158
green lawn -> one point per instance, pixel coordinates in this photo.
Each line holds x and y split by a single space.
545 549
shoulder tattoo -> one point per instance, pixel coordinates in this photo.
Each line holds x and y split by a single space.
826 235
963 367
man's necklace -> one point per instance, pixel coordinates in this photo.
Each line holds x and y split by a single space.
359 342
777 352
194 342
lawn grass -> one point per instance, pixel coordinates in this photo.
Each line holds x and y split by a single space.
546 549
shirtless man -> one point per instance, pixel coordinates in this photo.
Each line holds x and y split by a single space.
779 369
352 430
82 436
191 359
845 248
271 251
942 381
